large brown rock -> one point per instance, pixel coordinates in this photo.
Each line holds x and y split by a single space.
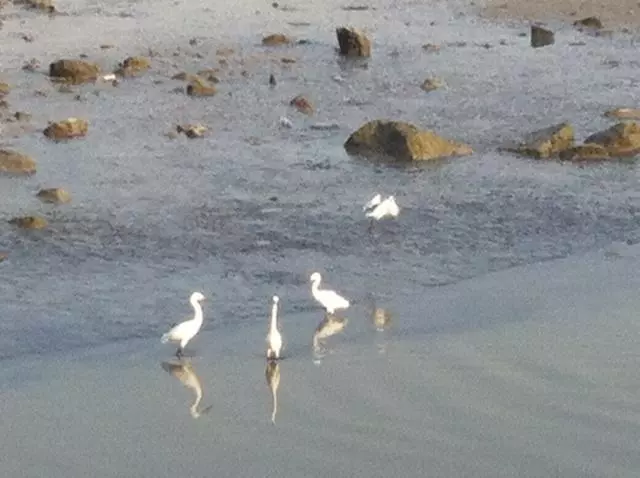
74 71
400 141
622 139
54 195
133 66
4 89
353 42
29 222
16 163
66 129
546 142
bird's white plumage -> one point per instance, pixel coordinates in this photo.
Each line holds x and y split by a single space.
377 199
186 330
381 209
329 299
274 338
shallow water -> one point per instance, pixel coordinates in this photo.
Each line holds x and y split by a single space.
154 218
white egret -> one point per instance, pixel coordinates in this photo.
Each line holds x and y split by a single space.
329 299
274 338
377 209
186 330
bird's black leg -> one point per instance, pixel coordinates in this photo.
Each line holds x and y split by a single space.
179 352
370 228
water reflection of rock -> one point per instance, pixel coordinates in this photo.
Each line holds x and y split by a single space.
330 325
272 374
380 317
183 371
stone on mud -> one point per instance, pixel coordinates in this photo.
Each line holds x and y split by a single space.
400 141
622 139
66 129
4 89
133 66
16 163
541 36
276 39
29 222
199 87
546 142
624 113
353 42
54 195
74 71
303 105
585 152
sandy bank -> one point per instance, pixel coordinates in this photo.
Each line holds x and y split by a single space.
612 14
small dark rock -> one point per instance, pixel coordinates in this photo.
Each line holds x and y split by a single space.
541 37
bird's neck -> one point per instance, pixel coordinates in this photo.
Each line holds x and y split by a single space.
315 286
274 317
197 312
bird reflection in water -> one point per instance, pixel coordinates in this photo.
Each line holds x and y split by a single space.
272 374
381 321
183 371
329 326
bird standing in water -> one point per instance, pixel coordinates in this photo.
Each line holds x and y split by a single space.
274 338
186 330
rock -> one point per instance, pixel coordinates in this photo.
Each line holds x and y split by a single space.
183 76
272 80
401 141
624 113
198 87
302 104
546 142
133 66
3 256
592 23
66 129
4 89
276 39
541 37
622 139
192 130
54 195
44 5
287 60
210 75
352 42
29 222
16 163
431 84
585 152
74 71
431 47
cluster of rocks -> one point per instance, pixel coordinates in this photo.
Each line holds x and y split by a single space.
378 140
558 141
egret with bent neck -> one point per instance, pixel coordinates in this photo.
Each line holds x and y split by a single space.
329 299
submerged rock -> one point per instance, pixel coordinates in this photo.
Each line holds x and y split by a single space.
585 152
400 141
66 129
622 139
192 130
29 222
353 42
546 142
133 66
303 105
74 71
624 113
276 39
541 37
54 195
16 163
431 84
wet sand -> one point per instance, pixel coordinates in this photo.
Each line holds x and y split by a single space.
544 384
612 14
